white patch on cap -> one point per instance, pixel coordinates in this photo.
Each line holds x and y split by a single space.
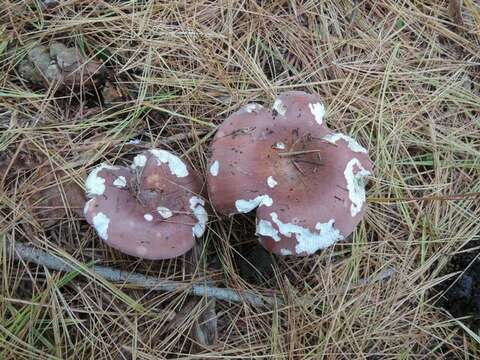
141 250
95 184
175 164
265 228
271 182
196 204
285 252
87 207
280 145
253 107
164 212
309 241
120 182
279 107
134 142
148 217
245 206
214 168
318 112
139 161
100 223
351 143
356 185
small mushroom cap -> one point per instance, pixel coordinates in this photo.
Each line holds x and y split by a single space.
60 196
151 210
306 182
59 64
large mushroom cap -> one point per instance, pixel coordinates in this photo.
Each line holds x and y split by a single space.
150 210
306 182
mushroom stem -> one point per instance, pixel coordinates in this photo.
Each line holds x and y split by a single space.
28 253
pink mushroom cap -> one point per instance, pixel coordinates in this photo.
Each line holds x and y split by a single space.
151 210
306 182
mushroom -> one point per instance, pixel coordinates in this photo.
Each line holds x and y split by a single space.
55 197
49 195
151 209
59 63
306 182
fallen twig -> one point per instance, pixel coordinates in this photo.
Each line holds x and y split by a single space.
28 253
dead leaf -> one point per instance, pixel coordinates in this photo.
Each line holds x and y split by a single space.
205 331
455 11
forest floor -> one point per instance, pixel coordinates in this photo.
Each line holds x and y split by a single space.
402 77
